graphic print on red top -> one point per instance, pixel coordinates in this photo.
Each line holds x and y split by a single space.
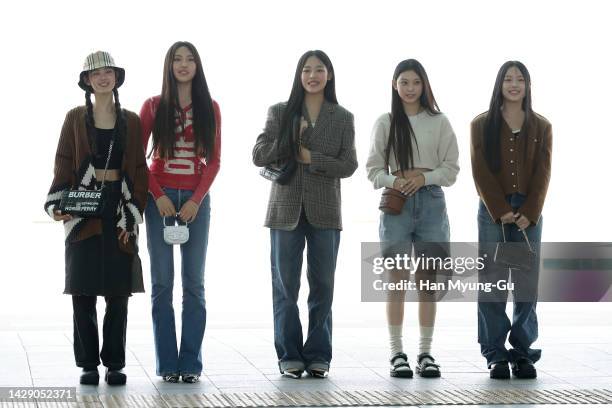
184 148
185 170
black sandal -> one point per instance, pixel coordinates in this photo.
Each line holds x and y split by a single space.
426 366
400 369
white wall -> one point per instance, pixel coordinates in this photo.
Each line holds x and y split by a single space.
249 51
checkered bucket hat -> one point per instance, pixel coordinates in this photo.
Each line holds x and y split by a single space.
100 59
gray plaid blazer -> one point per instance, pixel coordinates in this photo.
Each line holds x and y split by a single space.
315 186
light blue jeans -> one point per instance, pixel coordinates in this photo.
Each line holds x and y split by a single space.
493 323
169 359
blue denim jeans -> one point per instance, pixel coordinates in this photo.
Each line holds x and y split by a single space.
286 259
493 323
187 359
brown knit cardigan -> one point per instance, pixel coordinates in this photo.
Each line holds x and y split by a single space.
74 169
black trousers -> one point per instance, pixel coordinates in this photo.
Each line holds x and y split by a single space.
86 344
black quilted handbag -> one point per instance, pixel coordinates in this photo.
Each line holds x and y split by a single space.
280 175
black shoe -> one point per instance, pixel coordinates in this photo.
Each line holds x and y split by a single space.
524 369
115 377
171 378
499 370
294 373
191 378
90 376
318 373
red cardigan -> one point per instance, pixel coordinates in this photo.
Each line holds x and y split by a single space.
185 171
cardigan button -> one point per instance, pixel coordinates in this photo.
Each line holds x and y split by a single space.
511 161
511 150
514 185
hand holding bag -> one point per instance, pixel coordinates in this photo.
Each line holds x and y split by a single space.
86 203
175 234
515 255
391 201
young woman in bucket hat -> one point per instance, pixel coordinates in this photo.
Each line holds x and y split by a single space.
186 126
101 253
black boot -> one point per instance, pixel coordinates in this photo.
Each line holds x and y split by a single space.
524 369
90 376
499 370
115 377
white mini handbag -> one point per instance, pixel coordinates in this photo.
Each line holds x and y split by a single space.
175 234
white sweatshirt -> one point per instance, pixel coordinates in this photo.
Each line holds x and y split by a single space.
437 150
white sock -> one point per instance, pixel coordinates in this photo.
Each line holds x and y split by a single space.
425 339
395 339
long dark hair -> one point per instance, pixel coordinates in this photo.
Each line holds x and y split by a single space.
290 124
120 121
494 120
204 124
401 133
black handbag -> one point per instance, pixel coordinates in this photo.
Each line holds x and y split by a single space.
515 255
86 203
280 175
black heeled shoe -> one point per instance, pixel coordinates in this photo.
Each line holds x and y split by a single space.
115 377
89 376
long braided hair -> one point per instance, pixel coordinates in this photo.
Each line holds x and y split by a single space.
120 122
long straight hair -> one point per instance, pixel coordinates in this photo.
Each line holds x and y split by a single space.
120 121
494 120
203 121
401 134
290 124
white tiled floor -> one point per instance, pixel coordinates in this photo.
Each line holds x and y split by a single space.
245 361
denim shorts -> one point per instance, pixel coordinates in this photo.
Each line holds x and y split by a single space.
423 219
422 225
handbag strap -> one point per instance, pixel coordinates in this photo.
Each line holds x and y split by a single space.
524 235
175 218
110 151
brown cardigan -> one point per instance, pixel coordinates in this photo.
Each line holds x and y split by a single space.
522 172
73 169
